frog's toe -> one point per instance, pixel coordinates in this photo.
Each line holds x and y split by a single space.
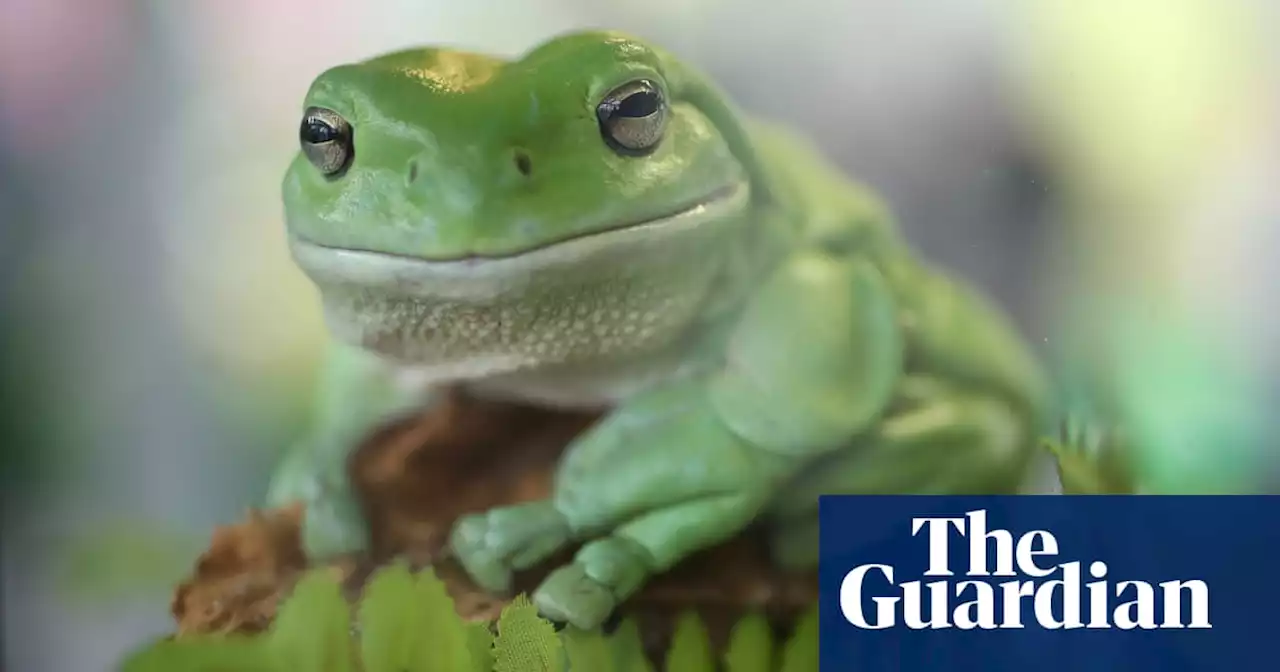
491 546
481 563
332 527
570 596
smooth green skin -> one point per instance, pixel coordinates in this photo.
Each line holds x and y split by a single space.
779 343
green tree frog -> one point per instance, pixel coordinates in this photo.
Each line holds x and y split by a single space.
594 225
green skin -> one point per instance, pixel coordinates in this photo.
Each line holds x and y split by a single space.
753 322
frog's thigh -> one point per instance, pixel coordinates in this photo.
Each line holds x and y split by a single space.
938 438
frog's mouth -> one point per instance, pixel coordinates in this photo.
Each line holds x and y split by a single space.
475 276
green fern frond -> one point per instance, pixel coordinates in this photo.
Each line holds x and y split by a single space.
480 643
526 642
800 654
588 651
408 624
208 654
1091 460
690 650
750 646
628 648
312 630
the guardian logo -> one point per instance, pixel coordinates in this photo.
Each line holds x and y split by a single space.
1055 602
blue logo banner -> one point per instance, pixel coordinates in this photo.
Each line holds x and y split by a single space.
1049 583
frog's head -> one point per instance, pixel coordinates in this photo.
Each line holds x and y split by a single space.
457 208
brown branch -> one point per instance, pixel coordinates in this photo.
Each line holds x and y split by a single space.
416 476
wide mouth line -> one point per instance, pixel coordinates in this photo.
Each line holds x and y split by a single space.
720 194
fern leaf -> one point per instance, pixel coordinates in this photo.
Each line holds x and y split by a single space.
211 654
1091 461
628 649
480 644
800 654
526 642
750 646
312 630
588 651
690 649
409 624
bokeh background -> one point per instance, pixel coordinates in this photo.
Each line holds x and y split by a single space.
1110 171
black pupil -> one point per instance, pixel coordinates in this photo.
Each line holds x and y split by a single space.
639 104
316 131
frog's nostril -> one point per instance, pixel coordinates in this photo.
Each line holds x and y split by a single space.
523 164
413 171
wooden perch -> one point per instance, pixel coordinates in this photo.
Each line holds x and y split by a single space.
415 477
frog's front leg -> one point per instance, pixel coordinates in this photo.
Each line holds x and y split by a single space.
812 362
357 392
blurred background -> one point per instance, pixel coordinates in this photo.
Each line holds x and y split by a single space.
1109 171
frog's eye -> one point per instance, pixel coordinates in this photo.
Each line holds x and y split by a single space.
633 117
326 140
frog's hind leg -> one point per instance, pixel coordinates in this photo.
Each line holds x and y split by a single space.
937 438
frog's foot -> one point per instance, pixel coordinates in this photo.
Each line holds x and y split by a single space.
333 522
333 526
607 571
570 595
586 592
493 545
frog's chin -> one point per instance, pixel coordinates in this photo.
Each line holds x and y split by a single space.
474 277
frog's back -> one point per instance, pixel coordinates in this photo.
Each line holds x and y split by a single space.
952 330
816 191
